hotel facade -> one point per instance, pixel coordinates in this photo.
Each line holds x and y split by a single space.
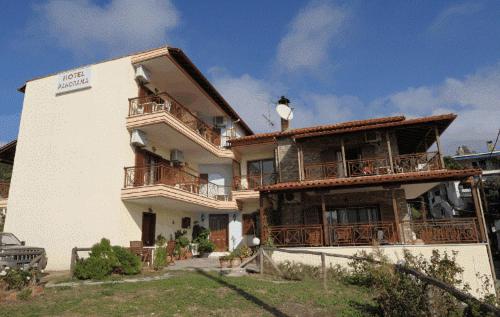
143 145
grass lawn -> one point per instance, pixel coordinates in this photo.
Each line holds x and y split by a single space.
198 294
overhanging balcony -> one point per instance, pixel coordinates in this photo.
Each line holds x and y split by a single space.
173 187
161 114
417 162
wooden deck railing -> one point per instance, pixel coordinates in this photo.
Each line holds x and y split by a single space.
362 233
297 235
463 230
416 162
175 177
253 181
4 189
163 102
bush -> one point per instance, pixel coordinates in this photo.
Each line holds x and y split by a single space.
93 268
400 294
206 246
298 271
105 259
129 263
182 241
245 252
16 278
160 259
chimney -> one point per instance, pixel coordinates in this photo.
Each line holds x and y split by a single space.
285 122
490 146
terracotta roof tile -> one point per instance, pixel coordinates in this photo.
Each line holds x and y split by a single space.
344 127
262 136
413 177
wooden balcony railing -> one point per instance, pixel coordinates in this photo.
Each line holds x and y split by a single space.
165 102
4 189
417 162
175 177
253 181
362 233
321 170
463 230
297 235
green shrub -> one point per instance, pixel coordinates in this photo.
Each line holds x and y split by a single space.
298 271
93 267
16 278
129 263
160 259
245 252
400 294
206 246
105 259
202 235
182 241
160 240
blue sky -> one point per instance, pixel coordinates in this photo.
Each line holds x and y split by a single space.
335 60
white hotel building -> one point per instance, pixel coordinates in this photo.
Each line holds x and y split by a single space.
143 145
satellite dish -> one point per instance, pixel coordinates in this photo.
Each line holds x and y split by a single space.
284 111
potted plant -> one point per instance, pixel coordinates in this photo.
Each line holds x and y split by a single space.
235 257
245 252
225 261
205 247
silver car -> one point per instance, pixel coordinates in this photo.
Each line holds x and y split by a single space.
14 254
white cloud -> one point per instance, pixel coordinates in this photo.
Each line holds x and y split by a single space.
475 98
119 26
452 12
310 36
250 97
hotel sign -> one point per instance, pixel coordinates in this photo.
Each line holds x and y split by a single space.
77 79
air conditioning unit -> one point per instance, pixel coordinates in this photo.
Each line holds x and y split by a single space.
220 121
142 74
138 138
372 136
176 156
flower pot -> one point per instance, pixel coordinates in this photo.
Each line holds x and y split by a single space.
224 263
235 262
189 254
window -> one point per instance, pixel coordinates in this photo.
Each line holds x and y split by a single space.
248 224
353 215
260 172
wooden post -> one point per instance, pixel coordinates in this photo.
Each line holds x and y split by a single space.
423 208
73 261
261 217
300 159
477 207
261 261
326 240
323 269
389 150
396 216
438 144
344 163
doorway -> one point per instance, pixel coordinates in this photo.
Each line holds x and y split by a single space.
218 231
148 228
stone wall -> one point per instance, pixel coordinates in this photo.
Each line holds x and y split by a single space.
288 160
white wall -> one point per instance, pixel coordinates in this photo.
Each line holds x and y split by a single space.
473 258
70 156
235 231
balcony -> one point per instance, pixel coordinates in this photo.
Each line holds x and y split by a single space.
165 103
250 182
169 125
407 163
464 230
174 184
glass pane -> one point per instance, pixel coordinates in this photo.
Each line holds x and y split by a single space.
267 166
254 168
363 215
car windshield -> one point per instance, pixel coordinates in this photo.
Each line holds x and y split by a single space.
8 239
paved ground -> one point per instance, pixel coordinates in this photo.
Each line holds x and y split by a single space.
207 264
